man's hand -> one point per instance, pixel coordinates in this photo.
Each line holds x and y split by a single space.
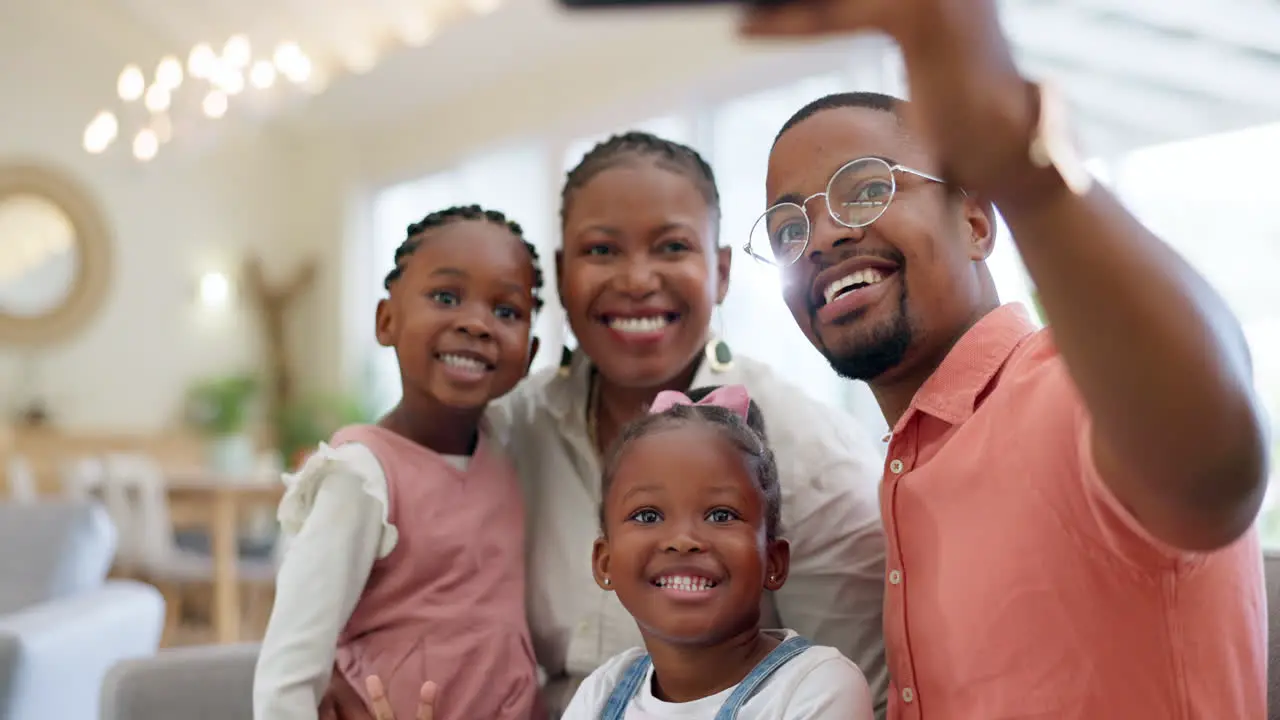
382 707
967 98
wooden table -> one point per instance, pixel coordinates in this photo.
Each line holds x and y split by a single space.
215 502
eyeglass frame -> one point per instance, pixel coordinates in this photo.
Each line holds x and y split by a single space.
802 206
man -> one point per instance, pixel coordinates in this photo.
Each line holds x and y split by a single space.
1068 515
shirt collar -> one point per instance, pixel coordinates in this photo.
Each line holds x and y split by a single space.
951 393
567 390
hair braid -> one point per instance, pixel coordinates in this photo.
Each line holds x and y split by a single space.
619 148
417 231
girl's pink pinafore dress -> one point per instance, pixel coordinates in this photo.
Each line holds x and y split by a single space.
447 604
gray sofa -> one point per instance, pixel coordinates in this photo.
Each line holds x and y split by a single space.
62 626
200 683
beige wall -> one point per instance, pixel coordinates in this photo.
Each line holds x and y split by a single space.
190 211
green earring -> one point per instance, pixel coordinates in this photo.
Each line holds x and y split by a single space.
719 356
566 360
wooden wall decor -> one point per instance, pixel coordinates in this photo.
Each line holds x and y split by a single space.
48 197
274 301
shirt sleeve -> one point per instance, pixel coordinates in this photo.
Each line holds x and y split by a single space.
833 690
1113 524
321 578
834 594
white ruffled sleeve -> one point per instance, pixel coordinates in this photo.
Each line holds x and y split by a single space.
351 460
335 509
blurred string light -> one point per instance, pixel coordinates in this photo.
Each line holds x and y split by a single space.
213 77
214 104
416 28
292 62
216 75
131 83
157 98
101 132
262 74
146 144
169 73
202 61
237 53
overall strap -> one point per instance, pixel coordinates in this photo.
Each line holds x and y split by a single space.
627 687
759 675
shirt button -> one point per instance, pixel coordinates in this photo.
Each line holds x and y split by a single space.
895 577
895 467
907 695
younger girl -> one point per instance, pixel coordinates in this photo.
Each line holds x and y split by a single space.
690 543
408 547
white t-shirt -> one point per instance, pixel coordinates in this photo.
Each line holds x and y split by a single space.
817 684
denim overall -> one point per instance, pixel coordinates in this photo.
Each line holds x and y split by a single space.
616 708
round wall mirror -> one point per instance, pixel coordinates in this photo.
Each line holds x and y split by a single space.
54 256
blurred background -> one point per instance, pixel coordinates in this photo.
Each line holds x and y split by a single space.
199 201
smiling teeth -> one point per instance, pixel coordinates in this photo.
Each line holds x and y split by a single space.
463 362
863 277
685 583
639 325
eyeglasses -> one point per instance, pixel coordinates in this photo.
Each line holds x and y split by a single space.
856 196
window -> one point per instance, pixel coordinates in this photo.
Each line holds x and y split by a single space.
1230 235
754 319
512 180
1010 275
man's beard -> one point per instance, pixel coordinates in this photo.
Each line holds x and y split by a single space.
882 349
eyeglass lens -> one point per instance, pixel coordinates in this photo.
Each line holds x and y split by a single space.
857 196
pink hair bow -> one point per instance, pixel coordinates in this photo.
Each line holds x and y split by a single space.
729 397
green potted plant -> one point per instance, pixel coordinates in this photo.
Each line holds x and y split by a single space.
314 418
220 409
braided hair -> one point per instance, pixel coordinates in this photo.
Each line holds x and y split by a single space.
417 231
619 148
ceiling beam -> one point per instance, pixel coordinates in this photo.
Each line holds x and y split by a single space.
1062 33
1248 25
1159 115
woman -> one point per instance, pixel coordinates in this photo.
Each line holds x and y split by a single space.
639 274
